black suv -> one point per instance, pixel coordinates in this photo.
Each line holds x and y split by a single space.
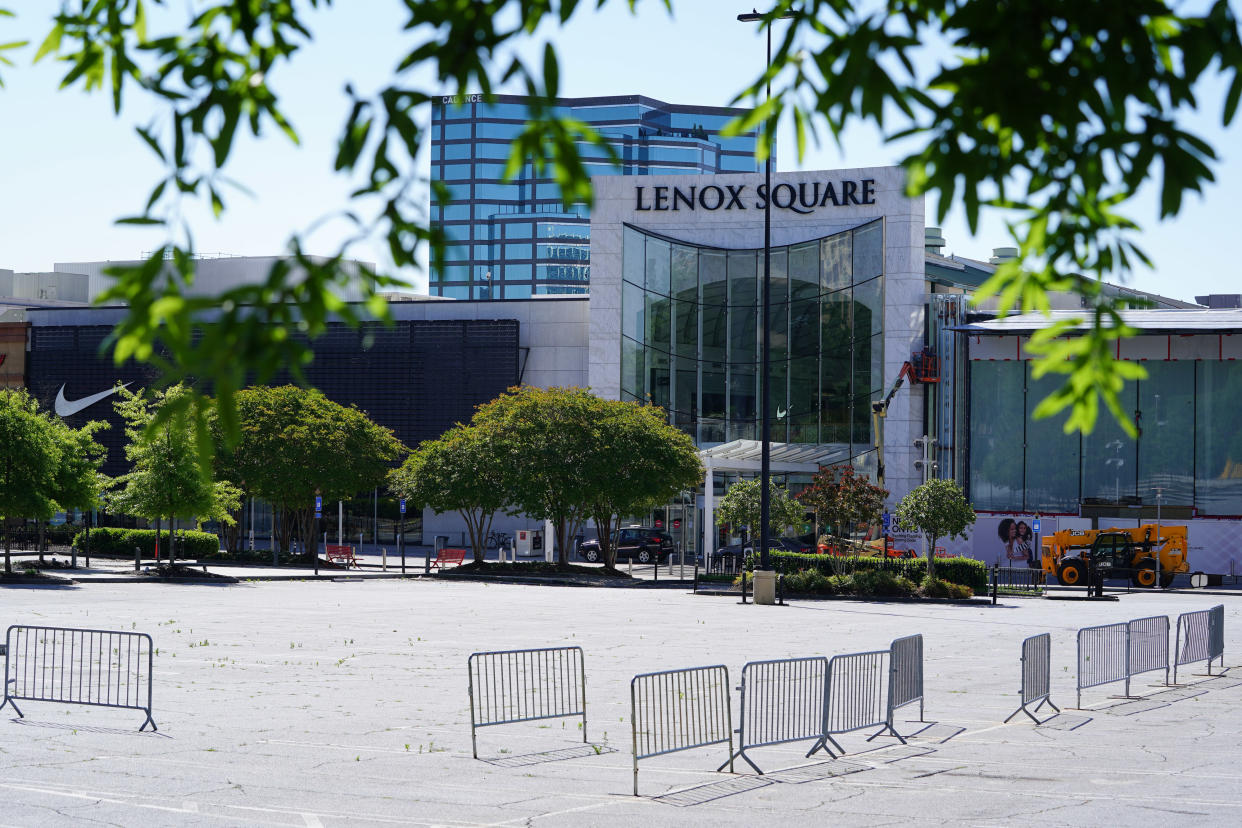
641 543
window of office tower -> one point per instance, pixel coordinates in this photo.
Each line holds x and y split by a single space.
690 336
511 238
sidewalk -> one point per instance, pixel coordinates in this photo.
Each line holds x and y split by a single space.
373 565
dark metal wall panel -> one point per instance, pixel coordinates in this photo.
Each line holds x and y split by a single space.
417 378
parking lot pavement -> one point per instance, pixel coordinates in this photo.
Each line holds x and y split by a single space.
321 703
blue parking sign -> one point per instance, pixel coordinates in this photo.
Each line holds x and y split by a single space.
1036 526
886 520
318 506
403 505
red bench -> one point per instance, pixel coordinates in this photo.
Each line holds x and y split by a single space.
448 556
342 554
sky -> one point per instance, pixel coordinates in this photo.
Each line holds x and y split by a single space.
72 167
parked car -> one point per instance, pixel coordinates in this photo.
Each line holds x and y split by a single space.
797 545
641 543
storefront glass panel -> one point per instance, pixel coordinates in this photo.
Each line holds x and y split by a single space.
997 412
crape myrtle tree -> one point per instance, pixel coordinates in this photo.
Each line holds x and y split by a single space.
295 443
461 471
45 465
636 462
1055 112
740 506
568 456
842 498
77 482
938 509
30 456
165 479
548 437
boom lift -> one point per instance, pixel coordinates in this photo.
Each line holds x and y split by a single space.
921 367
879 410
1116 553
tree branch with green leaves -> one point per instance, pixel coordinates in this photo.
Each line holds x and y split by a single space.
1054 113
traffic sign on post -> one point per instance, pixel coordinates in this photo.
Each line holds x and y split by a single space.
1036 526
403 505
318 506
886 520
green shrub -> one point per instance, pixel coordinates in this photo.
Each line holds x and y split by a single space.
107 542
938 588
883 583
262 557
809 581
964 571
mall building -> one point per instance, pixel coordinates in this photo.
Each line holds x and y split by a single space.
862 293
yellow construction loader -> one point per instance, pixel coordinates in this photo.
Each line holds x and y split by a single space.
1144 554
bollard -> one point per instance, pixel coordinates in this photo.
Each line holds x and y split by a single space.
656 568
137 560
745 584
994 574
780 590
384 557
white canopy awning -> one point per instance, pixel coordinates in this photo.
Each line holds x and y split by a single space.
786 458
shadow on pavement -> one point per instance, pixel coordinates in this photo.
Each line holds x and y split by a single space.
893 753
1130 708
817 772
938 732
1063 721
527 759
116 731
712 791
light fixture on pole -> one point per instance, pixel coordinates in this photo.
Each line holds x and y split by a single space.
765 347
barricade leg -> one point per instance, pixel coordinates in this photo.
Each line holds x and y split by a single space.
733 755
888 728
149 721
1022 708
16 709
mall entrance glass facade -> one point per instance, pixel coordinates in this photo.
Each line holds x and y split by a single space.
690 336
514 239
1189 444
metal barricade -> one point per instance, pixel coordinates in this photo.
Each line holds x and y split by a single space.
1036 676
1148 644
509 686
1216 633
905 684
1200 637
856 696
100 668
679 710
782 701
1012 580
1103 653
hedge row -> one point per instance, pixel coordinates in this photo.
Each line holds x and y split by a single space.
868 583
120 543
964 571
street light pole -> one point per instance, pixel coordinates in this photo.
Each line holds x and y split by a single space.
765 348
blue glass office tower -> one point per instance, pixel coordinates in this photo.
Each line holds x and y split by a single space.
514 239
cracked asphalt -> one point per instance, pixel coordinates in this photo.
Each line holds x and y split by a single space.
321 703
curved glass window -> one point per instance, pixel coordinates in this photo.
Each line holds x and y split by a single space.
691 333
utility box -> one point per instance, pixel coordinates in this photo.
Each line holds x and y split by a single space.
522 542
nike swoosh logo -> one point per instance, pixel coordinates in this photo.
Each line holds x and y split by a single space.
67 408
